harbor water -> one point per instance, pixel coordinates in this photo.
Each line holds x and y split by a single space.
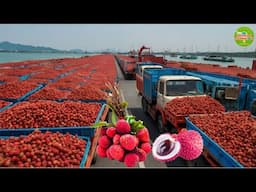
6 57
239 61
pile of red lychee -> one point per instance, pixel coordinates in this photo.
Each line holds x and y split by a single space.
122 144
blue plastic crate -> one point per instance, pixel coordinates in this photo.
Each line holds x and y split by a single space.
81 131
223 158
39 87
102 101
24 77
86 150
23 97
6 107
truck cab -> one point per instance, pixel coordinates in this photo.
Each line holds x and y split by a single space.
140 72
163 85
171 87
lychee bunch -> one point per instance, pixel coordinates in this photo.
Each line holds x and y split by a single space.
128 141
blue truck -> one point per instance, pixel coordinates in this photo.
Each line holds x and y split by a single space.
162 85
234 93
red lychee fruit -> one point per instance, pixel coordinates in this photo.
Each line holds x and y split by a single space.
103 131
191 144
146 147
143 135
111 131
128 142
104 141
101 151
131 159
123 126
141 154
108 154
116 139
116 152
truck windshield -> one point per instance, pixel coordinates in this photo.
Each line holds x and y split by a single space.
184 87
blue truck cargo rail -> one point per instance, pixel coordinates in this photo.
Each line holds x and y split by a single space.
214 81
86 150
81 130
223 158
251 82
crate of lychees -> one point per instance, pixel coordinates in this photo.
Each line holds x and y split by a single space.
44 149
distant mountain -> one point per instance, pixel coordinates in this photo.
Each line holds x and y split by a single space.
8 46
13 47
76 51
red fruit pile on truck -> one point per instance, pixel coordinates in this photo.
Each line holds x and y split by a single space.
167 91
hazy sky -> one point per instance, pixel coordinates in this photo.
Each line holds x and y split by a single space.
123 37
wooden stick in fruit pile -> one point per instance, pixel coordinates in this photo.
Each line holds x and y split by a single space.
114 100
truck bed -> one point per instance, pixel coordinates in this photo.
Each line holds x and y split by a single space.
178 121
223 157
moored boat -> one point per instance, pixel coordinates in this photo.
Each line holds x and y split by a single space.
219 58
188 57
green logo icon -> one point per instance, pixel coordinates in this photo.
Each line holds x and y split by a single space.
244 36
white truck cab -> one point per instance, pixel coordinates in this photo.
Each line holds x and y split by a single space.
149 67
170 87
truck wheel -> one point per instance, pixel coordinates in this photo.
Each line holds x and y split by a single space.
160 125
144 105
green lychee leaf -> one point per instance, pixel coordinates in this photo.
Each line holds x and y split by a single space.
130 119
101 124
114 118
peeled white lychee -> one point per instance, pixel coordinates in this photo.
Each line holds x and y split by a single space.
166 148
